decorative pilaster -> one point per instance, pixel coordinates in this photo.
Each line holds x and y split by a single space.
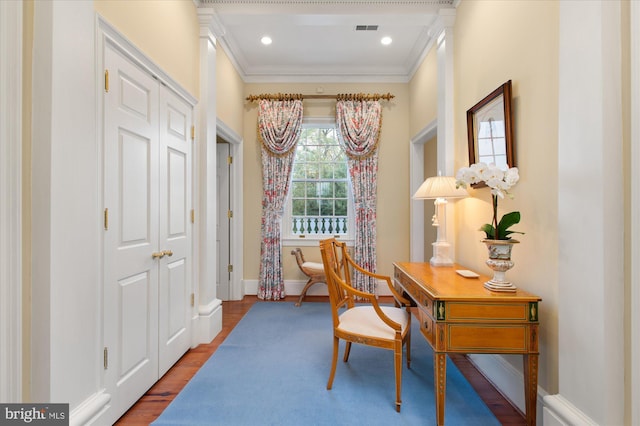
11 204
209 315
590 133
446 125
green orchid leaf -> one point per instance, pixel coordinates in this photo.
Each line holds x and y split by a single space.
488 230
507 221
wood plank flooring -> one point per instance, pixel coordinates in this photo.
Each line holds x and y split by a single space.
151 404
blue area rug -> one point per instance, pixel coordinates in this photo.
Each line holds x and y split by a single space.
273 369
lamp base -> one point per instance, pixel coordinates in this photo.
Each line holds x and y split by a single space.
441 254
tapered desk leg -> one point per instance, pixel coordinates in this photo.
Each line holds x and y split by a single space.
440 380
531 386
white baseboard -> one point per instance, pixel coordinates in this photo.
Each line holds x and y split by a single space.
208 322
295 287
560 412
91 410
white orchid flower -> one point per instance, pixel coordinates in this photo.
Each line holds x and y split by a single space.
511 176
500 181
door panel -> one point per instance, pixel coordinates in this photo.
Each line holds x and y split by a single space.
131 144
135 168
177 308
175 229
133 291
177 194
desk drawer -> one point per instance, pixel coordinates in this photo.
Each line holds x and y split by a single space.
414 290
487 311
487 338
427 326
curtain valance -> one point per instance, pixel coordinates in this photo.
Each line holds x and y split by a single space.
279 124
359 126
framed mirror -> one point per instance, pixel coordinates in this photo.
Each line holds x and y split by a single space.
490 129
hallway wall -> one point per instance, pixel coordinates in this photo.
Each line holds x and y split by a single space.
166 30
494 42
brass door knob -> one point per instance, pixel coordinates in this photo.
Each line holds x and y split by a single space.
168 252
158 255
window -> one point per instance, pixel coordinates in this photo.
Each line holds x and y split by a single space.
319 204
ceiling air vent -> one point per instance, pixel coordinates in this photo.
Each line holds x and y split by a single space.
366 28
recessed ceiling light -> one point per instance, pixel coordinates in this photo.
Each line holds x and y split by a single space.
266 40
386 41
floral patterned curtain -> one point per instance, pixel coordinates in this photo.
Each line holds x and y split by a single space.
359 124
279 124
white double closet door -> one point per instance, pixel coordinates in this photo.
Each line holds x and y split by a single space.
147 236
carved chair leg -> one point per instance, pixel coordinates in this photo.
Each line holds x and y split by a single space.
304 290
408 345
398 367
334 362
347 351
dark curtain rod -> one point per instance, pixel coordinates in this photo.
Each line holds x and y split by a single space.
339 97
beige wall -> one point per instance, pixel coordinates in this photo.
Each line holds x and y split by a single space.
229 92
165 30
393 173
496 41
423 94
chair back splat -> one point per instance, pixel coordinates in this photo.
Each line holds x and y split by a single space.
365 322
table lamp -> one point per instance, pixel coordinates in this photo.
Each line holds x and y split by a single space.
440 188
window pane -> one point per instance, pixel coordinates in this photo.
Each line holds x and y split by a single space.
340 170
312 208
326 189
298 207
312 171
297 189
312 190
326 171
340 189
297 172
341 207
326 208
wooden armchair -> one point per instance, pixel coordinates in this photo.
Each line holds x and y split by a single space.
387 327
313 270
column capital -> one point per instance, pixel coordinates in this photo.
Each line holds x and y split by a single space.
445 21
210 25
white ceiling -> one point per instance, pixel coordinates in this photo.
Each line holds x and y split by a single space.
316 40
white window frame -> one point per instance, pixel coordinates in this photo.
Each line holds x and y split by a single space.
290 239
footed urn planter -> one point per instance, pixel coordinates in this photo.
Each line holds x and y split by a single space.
500 262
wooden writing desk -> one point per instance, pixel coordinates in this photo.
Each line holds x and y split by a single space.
459 315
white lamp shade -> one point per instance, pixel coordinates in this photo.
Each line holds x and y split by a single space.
439 187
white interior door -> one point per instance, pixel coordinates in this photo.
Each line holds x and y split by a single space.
131 201
175 228
223 237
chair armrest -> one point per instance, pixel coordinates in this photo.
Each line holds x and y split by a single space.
401 300
374 302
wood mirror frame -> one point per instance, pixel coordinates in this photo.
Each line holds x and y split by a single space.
498 148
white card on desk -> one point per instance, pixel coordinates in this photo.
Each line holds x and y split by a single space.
467 273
